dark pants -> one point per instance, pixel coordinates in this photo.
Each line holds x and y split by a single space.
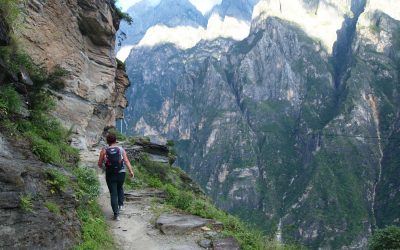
115 184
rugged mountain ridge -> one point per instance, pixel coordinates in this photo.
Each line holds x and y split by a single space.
146 14
267 130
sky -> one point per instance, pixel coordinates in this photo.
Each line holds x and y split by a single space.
202 5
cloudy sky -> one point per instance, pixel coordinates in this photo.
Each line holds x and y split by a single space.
202 5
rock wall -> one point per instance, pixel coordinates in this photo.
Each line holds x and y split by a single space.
21 173
79 36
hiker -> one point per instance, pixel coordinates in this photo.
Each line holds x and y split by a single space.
115 159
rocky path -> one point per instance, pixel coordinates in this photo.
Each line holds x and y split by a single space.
136 230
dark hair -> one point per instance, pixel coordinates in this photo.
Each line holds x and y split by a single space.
111 139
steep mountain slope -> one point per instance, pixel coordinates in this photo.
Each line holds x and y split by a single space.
240 9
145 14
272 134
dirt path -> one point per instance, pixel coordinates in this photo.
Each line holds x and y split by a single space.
136 229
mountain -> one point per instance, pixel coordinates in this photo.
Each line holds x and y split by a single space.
294 128
240 9
146 14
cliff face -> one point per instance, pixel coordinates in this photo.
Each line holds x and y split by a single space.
274 132
39 201
79 36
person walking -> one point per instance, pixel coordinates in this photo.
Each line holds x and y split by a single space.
115 159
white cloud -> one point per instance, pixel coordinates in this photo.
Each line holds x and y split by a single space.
186 37
321 24
205 5
202 5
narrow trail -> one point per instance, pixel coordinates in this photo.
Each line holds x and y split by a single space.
136 230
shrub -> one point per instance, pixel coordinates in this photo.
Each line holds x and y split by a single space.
25 202
94 228
52 207
10 100
57 180
387 238
46 151
88 183
55 78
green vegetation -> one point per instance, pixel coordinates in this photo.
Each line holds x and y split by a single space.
25 202
52 207
57 180
184 195
387 238
120 64
95 230
49 140
11 10
122 15
10 100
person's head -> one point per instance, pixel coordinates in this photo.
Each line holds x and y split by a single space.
111 139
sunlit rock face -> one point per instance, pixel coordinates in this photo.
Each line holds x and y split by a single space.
319 19
262 125
79 37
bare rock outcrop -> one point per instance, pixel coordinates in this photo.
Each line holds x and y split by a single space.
25 221
79 36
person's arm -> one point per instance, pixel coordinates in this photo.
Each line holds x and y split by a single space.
128 163
101 158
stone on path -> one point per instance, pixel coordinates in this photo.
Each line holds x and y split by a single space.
171 224
205 243
228 243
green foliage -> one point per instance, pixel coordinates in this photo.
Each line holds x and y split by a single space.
95 231
180 195
10 100
120 64
387 238
46 151
52 207
122 15
55 78
88 183
25 203
57 180
94 228
11 11
170 143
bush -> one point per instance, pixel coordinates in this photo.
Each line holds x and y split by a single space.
57 180
25 202
52 207
10 100
387 238
88 183
94 228
55 78
46 151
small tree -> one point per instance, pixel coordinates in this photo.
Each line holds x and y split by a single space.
387 238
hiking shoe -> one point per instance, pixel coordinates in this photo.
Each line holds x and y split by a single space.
116 217
121 208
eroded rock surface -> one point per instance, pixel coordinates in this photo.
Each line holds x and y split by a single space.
23 176
79 36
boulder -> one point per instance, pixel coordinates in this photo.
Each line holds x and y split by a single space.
228 243
172 224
